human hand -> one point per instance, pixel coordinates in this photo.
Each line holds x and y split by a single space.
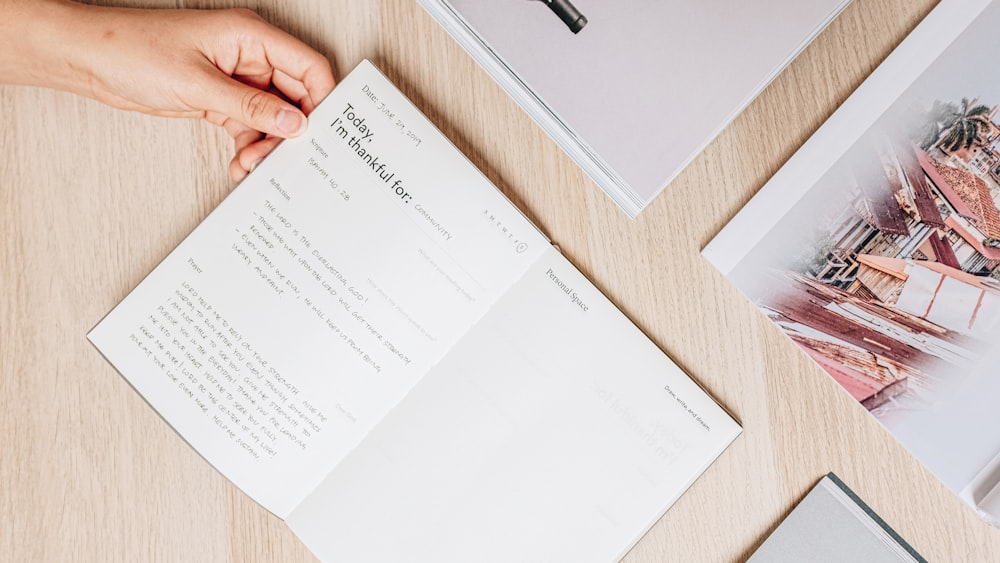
229 67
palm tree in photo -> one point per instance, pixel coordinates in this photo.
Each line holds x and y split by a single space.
969 125
927 130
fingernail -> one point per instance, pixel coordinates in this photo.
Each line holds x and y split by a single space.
290 122
255 163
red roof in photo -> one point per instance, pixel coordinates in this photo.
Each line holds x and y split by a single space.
808 302
930 167
886 214
975 193
988 251
897 267
943 251
869 360
864 380
922 196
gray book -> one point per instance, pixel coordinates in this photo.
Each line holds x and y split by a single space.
633 90
832 524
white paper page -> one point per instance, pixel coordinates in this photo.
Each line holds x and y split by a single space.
553 431
286 325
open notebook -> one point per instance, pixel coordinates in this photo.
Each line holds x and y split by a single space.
372 342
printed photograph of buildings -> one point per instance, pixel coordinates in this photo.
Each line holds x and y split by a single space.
902 281
887 271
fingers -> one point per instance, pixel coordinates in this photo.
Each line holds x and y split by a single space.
246 161
293 90
248 157
251 147
256 56
252 105
304 68
245 138
264 74
255 108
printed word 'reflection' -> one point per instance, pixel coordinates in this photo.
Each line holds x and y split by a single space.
355 130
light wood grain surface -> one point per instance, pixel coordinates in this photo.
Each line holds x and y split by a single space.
92 198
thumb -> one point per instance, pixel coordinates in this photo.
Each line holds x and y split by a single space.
257 109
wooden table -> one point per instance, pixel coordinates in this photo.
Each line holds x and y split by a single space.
92 198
